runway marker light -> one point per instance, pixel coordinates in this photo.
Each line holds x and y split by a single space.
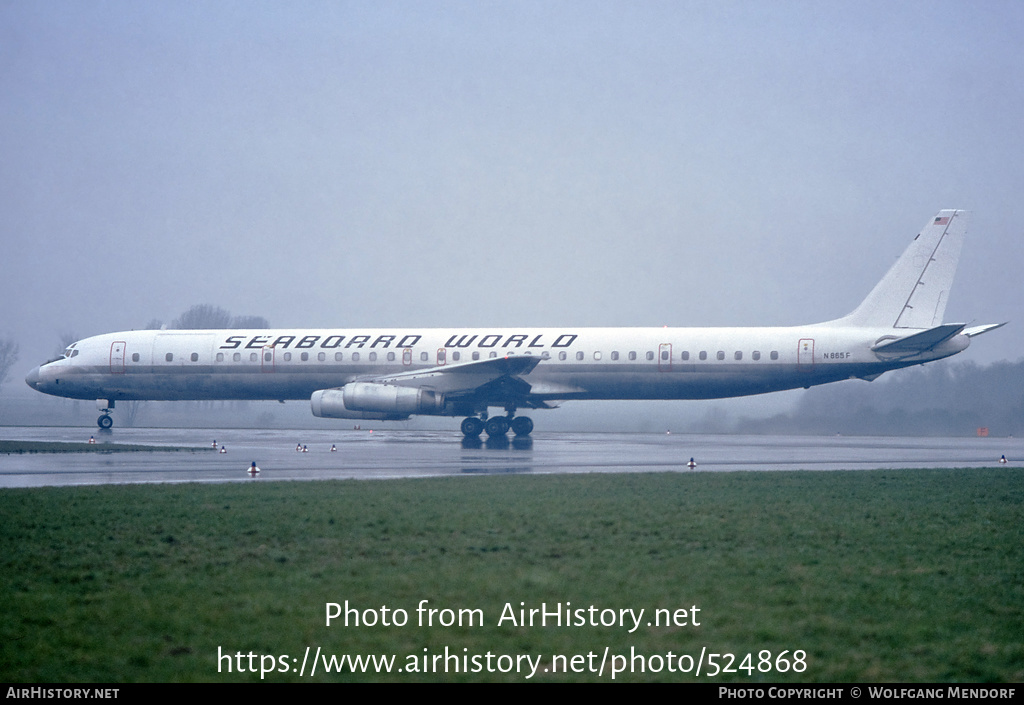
253 470
1002 458
223 449
691 464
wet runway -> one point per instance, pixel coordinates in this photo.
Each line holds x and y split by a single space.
401 453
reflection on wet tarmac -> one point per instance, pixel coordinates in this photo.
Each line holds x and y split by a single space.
364 454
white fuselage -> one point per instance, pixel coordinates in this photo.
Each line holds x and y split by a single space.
575 363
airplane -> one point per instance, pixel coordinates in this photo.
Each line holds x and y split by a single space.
394 373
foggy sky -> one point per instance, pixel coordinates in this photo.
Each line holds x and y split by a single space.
332 164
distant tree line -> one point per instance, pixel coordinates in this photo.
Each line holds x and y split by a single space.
8 356
207 317
939 399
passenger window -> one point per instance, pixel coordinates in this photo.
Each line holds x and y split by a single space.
237 357
424 357
304 357
579 355
194 357
561 355
664 354
321 356
615 354
721 355
373 357
337 357
476 354
391 357
493 354
267 357
703 355
253 357
355 357
738 355
686 354
169 357
632 354
775 354
597 356
756 354
543 356
456 356
650 355
288 357
135 356
220 357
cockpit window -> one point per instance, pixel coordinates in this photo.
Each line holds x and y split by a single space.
71 352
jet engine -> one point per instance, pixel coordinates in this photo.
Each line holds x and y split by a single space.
372 400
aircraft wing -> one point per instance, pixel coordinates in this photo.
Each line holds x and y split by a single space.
464 376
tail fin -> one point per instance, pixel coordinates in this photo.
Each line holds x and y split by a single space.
914 292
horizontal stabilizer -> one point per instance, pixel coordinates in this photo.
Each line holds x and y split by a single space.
920 342
978 330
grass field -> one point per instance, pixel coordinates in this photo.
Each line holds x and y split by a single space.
908 575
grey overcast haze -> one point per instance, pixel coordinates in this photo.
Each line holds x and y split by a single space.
417 164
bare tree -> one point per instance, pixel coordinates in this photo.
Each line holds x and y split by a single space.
207 316
249 322
8 356
203 316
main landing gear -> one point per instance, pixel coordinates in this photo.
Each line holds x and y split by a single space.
473 426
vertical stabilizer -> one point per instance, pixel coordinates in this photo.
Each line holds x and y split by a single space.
914 292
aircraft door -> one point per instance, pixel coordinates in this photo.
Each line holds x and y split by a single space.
805 354
407 357
665 357
117 357
267 359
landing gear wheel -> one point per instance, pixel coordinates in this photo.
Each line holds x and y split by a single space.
105 422
496 426
472 427
522 425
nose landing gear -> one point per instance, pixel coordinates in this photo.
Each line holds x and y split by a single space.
105 421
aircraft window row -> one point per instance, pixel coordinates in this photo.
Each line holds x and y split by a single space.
665 356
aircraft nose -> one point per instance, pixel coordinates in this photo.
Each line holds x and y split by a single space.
33 378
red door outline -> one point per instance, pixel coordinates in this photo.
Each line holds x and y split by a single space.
805 354
117 357
665 357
